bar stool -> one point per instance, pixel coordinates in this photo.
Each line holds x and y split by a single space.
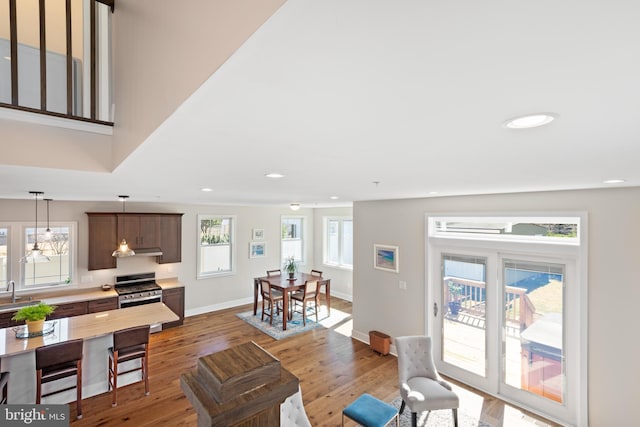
57 361
129 344
4 386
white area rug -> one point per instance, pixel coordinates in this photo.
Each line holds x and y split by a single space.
442 418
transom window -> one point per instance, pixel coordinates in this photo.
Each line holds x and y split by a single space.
216 245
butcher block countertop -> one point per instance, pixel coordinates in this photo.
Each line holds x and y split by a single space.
87 326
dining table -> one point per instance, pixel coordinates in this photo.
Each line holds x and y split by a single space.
287 286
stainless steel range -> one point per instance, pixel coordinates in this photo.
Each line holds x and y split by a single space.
137 289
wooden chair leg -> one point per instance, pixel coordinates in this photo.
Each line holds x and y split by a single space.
455 417
262 319
145 371
402 405
114 391
79 390
38 386
414 419
271 313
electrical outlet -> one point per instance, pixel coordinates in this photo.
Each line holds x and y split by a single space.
403 284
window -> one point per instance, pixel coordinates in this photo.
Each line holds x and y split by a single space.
292 238
338 242
216 245
57 248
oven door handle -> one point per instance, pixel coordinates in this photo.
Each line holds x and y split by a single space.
137 300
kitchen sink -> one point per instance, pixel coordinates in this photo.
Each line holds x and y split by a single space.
16 305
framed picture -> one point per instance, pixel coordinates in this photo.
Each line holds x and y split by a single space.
385 257
257 249
257 234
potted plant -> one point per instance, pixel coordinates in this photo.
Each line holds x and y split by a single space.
34 316
455 291
291 267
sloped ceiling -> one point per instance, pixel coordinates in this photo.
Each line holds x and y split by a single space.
383 99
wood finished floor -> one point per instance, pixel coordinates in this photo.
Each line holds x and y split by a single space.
333 370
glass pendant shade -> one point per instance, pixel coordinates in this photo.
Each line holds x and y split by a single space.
123 250
35 254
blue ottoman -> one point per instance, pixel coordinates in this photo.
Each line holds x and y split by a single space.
370 412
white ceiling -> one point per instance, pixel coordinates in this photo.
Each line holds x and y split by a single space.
339 94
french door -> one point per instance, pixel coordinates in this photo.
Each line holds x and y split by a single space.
500 323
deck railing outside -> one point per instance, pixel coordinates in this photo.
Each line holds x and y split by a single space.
518 308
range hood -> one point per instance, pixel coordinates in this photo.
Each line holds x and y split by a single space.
148 252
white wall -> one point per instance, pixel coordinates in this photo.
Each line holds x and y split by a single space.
200 295
613 274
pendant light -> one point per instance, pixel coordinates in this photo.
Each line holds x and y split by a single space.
47 232
123 250
35 255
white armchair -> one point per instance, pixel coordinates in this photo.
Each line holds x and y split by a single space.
292 413
421 388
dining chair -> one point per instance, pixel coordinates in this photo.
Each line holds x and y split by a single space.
271 273
129 344
272 297
57 361
317 273
308 293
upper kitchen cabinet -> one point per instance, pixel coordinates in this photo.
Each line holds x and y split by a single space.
140 230
103 239
170 238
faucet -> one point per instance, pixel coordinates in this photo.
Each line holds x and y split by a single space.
13 290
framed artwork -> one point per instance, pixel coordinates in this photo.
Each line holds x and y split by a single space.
385 257
257 249
257 234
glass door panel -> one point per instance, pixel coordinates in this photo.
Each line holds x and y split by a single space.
464 312
533 327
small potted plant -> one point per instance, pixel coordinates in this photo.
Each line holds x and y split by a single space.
34 316
455 291
291 267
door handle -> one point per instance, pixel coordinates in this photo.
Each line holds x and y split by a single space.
435 309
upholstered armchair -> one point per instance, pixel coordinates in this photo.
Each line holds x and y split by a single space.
421 387
292 413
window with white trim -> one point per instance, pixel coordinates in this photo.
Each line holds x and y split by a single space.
56 247
292 235
216 245
338 242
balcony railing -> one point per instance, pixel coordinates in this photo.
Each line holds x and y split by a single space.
55 60
518 308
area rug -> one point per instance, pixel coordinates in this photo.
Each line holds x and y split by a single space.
294 326
438 418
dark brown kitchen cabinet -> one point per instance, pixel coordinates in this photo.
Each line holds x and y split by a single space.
5 319
174 299
139 230
103 304
170 238
70 310
103 240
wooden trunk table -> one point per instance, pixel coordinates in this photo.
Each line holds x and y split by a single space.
241 386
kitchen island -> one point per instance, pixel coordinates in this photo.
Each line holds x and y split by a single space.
96 329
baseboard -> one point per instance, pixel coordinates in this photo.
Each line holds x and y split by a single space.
218 307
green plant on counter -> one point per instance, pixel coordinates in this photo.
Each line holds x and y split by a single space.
34 312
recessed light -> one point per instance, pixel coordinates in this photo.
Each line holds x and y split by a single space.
206 189
334 197
614 181
529 121
274 175
433 193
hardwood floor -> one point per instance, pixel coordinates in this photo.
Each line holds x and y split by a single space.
333 370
